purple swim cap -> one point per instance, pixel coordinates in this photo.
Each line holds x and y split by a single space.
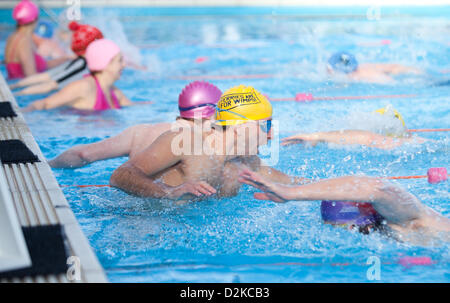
198 99
346 212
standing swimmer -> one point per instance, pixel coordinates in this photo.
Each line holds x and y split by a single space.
21 57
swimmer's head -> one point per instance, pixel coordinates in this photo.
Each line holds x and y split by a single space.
198 100
25 12
394 125
102 54
242 104
346 213
343 62
44 29
82 36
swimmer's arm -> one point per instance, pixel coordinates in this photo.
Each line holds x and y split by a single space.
26 57
135 176
82 155
69 94
30 80
392 202
277 176
124 101
348 137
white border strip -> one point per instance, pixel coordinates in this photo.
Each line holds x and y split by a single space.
13 250
229 3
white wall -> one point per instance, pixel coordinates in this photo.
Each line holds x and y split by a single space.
10 3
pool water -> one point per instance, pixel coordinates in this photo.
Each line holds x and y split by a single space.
241 239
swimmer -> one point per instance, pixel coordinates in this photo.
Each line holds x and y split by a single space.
209 164
21 57
344 63
392 137
60 76
45 39
404 217
96 92
197 98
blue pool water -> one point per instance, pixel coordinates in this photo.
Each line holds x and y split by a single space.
240 239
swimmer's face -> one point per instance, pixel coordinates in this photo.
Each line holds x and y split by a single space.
252 134
116 66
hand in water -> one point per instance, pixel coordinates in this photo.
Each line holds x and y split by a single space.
271 191
312 139
196 189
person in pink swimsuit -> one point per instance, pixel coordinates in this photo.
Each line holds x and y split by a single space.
20 56
96 91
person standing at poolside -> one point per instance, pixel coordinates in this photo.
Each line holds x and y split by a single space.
175 167
21 57
197 99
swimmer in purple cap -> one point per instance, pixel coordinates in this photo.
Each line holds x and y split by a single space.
398 213
197 100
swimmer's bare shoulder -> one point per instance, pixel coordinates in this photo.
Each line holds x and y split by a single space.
135 175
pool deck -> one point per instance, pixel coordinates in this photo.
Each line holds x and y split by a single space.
38 199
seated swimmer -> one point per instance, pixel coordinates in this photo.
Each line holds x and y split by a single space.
344 63
197 100
60 76
379 204
194 163
393 135
21 57
96 92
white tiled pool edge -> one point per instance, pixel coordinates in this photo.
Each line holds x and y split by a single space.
38 199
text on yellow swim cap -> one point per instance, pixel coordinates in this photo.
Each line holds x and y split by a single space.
240 104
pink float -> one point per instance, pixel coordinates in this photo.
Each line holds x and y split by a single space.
437 174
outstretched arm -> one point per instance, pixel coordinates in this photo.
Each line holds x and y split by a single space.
69 94
82 155
30 80
349 137
392 202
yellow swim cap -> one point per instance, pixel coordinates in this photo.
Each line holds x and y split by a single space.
396 113
241 103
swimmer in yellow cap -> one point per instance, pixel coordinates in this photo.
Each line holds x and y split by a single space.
392 134
206 159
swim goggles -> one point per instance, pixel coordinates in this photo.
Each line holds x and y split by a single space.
264 125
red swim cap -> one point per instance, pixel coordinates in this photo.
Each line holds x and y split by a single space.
82 36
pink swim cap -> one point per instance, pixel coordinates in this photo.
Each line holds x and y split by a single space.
99 53
198 98
25 12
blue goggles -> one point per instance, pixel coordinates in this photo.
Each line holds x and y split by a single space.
183 109
265 125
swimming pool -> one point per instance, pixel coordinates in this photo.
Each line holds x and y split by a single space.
240 239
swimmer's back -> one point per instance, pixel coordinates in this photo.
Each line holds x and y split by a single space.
145 134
